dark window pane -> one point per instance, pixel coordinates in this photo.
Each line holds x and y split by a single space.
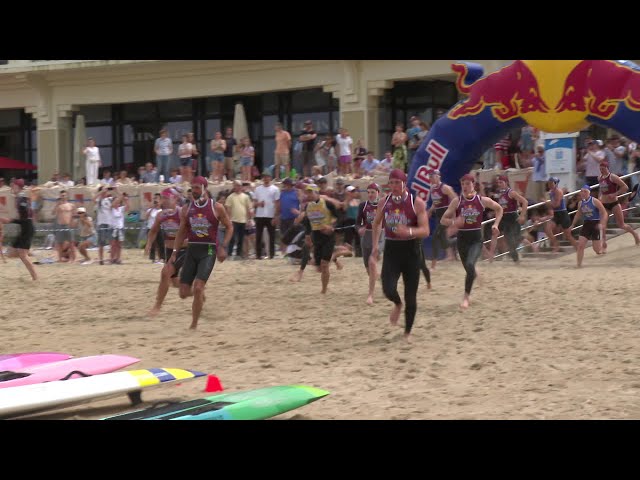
96 113
9 118
315 99
270 102
320 122
177 129
176 109
128 155
228 105
11 145
102 135
212 106
399 118
106 156
384 119
268 147
445 94
34 157
34 138
138 111
269 123
384 142
211 127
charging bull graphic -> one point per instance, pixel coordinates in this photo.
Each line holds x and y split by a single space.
555 96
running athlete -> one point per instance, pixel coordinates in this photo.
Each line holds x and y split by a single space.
560 215
199 221
364 222
167 221
466 212
22 243
610 188
509 200
441 196
595 221
404 219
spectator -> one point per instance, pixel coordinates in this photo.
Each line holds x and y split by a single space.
282 154
247 156
229 152
240 210
325 154
185 153
386 164
414 139
87 233
218 146
539 176
175 178
308 139
593 158
369 165
66 181
289 207
344 143
398 142
164 149
150 174
106 180
123 178
267 207
92 162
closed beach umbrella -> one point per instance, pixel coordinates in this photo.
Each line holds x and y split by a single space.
79 141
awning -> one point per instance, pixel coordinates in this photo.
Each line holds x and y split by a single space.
10 163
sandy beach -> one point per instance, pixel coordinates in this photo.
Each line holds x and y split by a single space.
542 340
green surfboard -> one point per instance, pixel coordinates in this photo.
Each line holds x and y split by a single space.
247 405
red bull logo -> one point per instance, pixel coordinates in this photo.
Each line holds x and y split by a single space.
598 87
510 92
437 154
575 88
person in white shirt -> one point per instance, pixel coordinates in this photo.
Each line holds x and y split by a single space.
175 178
66 181
87 233
163 148
104 201
344 143
385 164
151 215
119 208
267 208
593 158
107 179
185 152
92 162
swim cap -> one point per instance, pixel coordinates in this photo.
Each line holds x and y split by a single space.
398 174
373 186
168 193
200 181
468 178
586 187
555 180
312 187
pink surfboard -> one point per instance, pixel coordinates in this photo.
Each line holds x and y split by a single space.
17 361
49 372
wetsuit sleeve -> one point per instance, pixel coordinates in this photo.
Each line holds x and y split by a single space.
360 219
332 208
307 225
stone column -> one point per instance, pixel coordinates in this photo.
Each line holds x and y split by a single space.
359 104
55 129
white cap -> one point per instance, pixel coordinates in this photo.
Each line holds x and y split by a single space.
81 210
350 188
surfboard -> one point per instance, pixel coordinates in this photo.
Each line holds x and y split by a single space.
19 401
247 405
66 369
15 361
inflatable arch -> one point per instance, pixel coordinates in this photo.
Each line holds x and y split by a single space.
555 96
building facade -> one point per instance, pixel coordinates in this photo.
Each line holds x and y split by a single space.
126 102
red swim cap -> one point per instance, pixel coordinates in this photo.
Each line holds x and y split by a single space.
200 181
373 186
398 174
468 178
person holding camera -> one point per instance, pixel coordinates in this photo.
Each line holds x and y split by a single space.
104 202
87 233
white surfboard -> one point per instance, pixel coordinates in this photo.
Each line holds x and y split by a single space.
25 399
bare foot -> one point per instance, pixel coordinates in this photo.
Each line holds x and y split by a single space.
154 312
370 300
297 276
339 265
407 338
193 326
465 303
323 291
395 314
433 265
429 286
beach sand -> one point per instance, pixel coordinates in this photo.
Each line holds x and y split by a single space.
542 340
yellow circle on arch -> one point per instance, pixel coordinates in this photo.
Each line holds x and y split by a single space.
551 76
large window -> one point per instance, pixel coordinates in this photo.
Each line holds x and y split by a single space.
17 137
126 133
426 99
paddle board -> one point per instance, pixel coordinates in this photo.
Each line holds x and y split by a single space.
44 396
48 372
248 405
16 361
